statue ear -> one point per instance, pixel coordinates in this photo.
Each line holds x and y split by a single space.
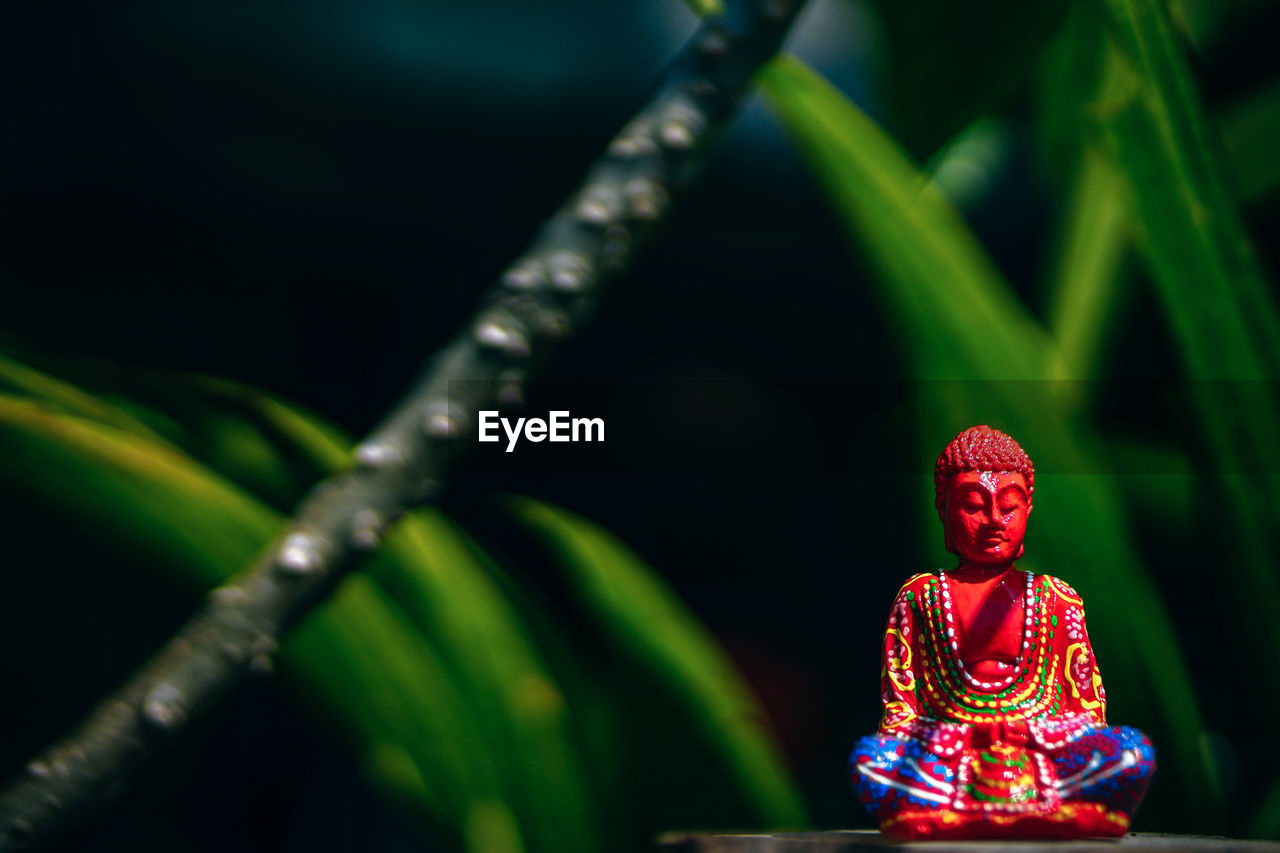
1022 549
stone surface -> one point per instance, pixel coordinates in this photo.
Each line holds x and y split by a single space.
852 841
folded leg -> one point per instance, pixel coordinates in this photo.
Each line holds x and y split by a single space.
891 775
1111 766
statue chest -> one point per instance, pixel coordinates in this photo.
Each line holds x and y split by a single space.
988 617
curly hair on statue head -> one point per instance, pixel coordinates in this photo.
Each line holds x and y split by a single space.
981 448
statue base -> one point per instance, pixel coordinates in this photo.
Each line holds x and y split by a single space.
857 840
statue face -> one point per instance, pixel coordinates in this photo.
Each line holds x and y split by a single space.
986 516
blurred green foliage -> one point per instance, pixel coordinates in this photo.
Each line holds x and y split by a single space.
425 662
962 323
1119 111
1120 78
506 722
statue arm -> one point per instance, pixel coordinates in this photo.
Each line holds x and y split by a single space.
899 663
1084 693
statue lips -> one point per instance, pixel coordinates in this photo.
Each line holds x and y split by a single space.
995 545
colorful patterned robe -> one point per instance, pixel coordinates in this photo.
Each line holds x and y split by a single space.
1036 759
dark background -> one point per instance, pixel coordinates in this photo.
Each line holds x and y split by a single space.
313 197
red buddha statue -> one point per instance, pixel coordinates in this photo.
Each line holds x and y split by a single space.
994 714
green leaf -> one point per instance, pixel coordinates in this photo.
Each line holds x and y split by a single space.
1160 481
958 321
437 576
135 490
442 587
590 685
1096 230
950 62
355 655
965 169
1166 169
359 661
1250 129
326 448
644 623
1205 269
918 242
1087 273
194 421
1069 77
1204 21
68 398
1212 291
1266 821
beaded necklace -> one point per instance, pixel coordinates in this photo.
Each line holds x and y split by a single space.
1028 632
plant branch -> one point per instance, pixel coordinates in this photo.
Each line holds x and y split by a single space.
540 300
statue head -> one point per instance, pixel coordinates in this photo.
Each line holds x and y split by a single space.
983 483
